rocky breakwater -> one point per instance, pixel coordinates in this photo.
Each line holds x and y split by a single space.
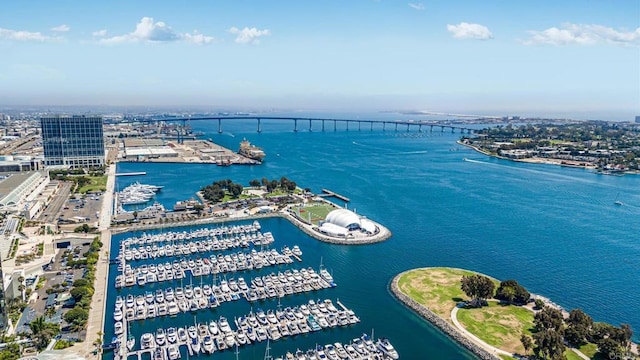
439 322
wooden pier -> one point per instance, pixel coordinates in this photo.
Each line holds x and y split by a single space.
335 195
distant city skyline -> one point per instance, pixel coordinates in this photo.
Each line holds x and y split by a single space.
541 57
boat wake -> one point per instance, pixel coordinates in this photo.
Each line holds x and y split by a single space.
550 175
476 161
413 152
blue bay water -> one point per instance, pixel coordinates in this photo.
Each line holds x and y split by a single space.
555 230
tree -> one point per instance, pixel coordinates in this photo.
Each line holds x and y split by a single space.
43 331
578 327
512 292
477 287
264 181
254 183
610 349
527 342
235 190
76 315
548 319
549 344
579 317
79 292
539 304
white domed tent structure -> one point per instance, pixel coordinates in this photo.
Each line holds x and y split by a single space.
344 218
341 222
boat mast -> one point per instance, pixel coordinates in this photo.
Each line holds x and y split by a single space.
267 353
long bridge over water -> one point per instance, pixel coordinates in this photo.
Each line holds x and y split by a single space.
322 124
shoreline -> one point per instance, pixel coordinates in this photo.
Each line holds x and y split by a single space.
437 321
548 161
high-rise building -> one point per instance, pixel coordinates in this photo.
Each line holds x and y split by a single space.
638 119
73 141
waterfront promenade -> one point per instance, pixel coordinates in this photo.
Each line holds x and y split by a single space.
98 311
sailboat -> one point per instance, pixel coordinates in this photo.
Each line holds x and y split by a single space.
618 202
131 340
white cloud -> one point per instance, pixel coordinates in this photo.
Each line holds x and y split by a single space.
416 6
61 28
197 38
100 33
147 30
21 35
470 31
249 36
581 34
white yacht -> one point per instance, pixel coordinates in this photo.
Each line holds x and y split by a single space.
161 337
173 353
147 341
385 346
172 335
207 345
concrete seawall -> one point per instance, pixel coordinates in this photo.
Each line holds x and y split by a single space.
437 321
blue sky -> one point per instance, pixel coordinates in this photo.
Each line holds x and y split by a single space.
542 56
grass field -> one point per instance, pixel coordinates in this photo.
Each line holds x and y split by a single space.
98 183
498 325
570 355
436 288
589 349
318 211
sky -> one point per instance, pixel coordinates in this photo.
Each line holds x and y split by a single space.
442 56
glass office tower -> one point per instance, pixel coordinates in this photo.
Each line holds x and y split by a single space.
73 141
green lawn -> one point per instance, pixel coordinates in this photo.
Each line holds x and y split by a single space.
570 355
227 197
317 211
498 325
98 183
505 357
436 288
589 349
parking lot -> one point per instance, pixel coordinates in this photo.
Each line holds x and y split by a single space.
59 279
80 209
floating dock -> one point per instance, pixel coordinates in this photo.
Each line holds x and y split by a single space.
335 195
132 173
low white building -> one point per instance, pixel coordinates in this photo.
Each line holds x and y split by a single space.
16 189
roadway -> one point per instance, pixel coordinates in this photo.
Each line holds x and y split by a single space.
51 211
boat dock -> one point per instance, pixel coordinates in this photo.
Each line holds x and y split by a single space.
193 297
212 265
255 327
132 173
329 193
183 255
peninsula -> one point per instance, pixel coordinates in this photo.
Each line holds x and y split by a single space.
224 200
507 322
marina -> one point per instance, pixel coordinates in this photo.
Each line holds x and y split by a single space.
363 347
137 193
190 298
223 334
199 266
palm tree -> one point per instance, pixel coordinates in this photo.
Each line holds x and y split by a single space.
37 325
